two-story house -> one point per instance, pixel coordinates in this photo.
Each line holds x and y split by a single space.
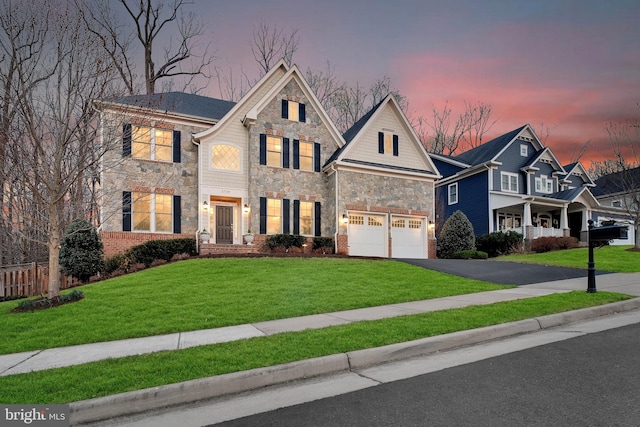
271 163
515 183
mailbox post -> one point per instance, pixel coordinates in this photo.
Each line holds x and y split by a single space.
591 266
600 234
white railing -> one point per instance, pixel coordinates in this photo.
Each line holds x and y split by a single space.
546 232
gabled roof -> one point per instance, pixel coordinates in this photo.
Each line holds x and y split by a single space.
489 151
546 152
352 135
186 104
618 182
578 168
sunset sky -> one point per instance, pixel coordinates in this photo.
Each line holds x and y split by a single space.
569 66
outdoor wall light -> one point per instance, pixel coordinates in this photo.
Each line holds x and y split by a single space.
431 225
246 209
345 218
205 205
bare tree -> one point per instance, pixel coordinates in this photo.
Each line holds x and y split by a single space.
479 121
54 126
620 175
270 44
325 85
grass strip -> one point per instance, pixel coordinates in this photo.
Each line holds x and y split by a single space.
113 376
618 259
211 293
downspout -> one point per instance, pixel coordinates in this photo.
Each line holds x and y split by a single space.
196 142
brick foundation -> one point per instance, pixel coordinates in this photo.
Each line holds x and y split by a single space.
116 242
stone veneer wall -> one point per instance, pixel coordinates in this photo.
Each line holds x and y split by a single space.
280 183
128 174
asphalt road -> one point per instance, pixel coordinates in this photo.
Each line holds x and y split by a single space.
501 272
591 380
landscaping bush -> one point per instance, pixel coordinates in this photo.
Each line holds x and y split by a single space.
81 251
277 242
152 250
470 255
546 244
114 263
499 243
323 245
456 235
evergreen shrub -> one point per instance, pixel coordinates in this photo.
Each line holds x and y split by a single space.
456 235
81 251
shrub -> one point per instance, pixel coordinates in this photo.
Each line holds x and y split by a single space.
152 250
285 241
81 251
546 244
114 263
470 255
323 243
456 235
499 243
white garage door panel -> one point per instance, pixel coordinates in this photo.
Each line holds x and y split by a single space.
407 236
367 235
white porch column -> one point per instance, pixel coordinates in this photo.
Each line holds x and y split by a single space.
526 216
564 218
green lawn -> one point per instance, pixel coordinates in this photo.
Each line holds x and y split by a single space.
137 372
617 259
209 293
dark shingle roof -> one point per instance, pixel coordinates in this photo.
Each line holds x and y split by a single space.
353 131
567 195
180 103
618 182
488 150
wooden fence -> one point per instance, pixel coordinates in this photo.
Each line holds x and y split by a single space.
29 280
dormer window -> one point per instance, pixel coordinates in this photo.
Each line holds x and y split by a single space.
388 143
544 184
524 150
294 111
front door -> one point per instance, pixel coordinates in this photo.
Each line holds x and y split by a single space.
224 224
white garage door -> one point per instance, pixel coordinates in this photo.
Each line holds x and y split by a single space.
407 237
367 235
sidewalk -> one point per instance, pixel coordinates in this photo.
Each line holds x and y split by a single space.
38 360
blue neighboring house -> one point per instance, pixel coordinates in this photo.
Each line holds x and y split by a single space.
514 182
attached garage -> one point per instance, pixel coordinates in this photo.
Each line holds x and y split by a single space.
408 237
367 235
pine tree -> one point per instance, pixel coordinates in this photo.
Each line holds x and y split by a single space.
456 235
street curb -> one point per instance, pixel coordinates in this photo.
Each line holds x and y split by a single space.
139 401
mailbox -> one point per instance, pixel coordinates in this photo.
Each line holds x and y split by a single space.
608 232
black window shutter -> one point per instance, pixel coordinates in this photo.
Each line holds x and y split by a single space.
176 146
380 142
302 114
395 145
296 154
126 140
285 153
263 215
316 157
263 149
317 219
296 217
285 216
126 211
177 214
285 109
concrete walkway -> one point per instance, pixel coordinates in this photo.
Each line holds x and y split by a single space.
11 364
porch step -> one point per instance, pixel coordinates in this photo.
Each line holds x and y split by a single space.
212 248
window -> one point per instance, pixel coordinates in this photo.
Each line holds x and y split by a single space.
616 203
306 156
274 211
225 157
452 190
524 150
509 182
508 221
388 143
152 144
416 224
306 218
294 111
398 223
274 151
375 221
152 212
544 184
356 219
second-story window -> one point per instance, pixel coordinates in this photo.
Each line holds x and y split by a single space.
294 111
509 182
149 143
225 157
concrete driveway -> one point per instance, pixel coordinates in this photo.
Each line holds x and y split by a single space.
501 272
